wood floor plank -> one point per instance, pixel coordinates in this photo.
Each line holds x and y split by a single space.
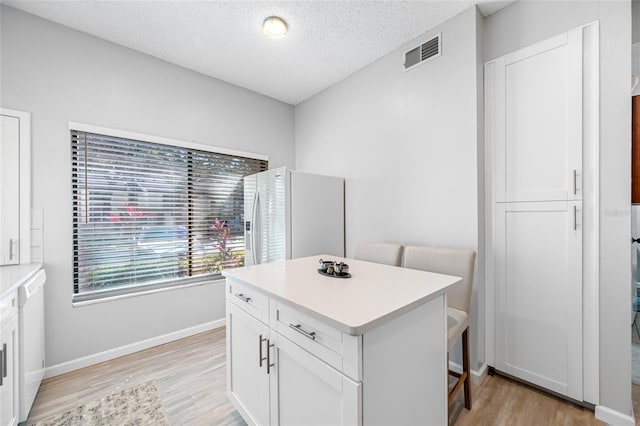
190 377
499 401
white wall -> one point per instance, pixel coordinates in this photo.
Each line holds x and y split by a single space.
62 75
407 144
525 23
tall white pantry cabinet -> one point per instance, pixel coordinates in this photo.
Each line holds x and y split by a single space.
539 105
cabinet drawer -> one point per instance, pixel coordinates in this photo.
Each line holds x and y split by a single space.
8 307
248 299
337 349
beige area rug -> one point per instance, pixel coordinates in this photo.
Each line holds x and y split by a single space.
139 405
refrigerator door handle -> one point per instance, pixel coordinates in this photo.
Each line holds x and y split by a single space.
249 226
256 229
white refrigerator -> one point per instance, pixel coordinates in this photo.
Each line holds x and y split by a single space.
290 214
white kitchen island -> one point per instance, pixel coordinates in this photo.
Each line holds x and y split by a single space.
307 349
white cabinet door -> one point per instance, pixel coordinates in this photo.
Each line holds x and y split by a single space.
538 274
306 391
9 189
9 369
538 121
247 379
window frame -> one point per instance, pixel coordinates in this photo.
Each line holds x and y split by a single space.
80 299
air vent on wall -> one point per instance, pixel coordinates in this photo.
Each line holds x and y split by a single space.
430 49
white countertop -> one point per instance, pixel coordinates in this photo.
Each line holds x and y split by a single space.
13 276
374 294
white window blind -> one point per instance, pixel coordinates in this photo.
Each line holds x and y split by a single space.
148 215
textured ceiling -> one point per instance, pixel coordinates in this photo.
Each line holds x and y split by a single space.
326 42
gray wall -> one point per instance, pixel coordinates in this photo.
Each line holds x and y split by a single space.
407 144
62 75
524 23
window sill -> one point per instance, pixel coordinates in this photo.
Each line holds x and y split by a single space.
209 281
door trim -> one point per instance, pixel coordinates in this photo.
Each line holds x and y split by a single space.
591 215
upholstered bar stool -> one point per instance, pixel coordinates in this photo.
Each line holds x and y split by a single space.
386 253
458 263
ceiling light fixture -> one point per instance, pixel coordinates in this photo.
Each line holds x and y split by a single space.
274 27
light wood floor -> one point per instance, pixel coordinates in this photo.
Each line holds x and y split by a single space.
501 401
190 377
189 374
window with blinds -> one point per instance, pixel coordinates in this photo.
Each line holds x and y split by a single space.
149 215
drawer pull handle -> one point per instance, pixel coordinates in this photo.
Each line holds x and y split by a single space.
310 334
241 296
260 340
2 355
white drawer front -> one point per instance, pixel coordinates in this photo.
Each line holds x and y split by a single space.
316 337
249 300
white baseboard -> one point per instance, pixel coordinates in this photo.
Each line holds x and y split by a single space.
85 361
614 418
477 376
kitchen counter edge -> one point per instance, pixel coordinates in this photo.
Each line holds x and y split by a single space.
13 276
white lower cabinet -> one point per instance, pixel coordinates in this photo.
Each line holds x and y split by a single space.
288 367
247 378
9 361
271 380
306 391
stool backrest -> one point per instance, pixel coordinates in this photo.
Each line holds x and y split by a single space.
386 253
446 261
